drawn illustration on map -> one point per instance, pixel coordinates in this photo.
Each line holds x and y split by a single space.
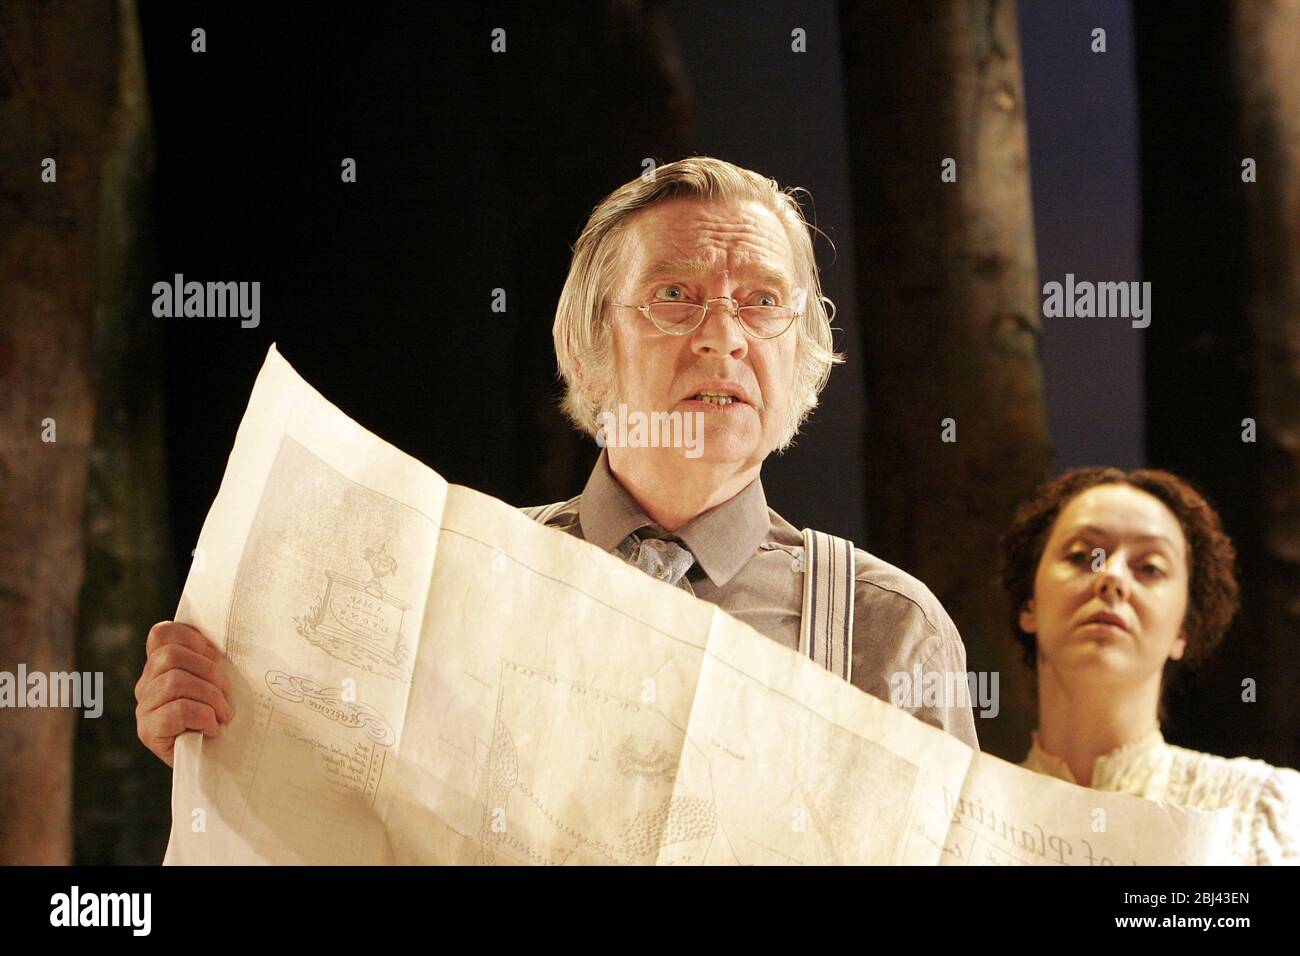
358 622
541 786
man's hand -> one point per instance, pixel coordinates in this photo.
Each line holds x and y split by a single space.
182 688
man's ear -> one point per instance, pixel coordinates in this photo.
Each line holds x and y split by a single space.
1028 619
583 385
582 379
592 392
1179 647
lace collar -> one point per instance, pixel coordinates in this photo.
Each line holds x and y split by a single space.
1108 765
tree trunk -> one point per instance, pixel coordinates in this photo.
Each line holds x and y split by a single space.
122 792
1268 74
1223 256
949 310
58 78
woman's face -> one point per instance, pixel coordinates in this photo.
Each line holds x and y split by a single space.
1110 592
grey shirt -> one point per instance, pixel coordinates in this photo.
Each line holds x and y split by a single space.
745 563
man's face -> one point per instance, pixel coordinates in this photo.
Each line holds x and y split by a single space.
690 250
1122 621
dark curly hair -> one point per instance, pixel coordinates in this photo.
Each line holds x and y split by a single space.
1212 597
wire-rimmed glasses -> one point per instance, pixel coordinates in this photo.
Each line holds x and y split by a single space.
683 318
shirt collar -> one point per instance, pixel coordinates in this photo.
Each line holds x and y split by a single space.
722 539
1043 762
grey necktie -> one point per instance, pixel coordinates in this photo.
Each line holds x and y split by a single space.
665 560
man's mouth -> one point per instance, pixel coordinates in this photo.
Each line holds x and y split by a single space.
713 398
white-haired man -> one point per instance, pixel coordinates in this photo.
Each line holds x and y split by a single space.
700 282
692 292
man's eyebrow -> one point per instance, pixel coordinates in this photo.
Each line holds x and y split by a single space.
761 271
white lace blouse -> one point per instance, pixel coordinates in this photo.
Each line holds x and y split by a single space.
1265 800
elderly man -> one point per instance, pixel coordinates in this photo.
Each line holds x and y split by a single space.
692 292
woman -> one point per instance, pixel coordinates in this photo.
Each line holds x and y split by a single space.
1117 579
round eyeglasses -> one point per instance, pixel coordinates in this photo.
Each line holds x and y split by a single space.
683 318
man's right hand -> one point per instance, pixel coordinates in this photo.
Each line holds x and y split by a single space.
181 688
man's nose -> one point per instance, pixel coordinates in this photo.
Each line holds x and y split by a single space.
720 332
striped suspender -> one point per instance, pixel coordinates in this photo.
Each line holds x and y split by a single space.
826 627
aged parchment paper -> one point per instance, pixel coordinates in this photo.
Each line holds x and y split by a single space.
424 675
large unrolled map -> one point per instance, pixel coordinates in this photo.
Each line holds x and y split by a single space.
424 675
